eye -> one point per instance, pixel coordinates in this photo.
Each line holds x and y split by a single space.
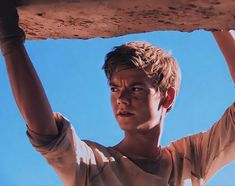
113 89
136 89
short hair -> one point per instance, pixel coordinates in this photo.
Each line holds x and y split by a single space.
159 65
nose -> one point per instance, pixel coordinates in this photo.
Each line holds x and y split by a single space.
124 97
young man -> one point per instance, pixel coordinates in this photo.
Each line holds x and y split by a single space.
144 81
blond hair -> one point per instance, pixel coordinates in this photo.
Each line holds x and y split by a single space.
159 65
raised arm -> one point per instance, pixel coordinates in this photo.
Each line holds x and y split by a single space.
226 42
27 88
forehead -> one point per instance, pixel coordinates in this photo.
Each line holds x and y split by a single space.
129 75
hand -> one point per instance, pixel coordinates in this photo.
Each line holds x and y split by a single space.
226 42
11 35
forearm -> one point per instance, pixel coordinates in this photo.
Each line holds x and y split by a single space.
29 93
226 42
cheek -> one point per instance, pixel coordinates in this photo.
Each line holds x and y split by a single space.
144 100
154 109
150 105
113 102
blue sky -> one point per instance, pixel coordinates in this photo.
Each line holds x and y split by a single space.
71 73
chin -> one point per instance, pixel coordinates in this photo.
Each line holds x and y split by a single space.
137 123
127 125
134 126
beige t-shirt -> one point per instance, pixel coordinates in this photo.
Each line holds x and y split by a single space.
189 161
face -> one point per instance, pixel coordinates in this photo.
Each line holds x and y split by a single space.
135 102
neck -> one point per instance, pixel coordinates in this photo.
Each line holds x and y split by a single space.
141 144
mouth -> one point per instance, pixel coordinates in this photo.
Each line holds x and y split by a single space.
125 114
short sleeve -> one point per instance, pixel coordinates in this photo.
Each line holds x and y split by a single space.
66 153
218 144
208 151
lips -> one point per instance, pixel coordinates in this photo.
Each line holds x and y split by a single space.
124 113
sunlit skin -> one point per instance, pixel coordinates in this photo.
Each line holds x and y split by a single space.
139 109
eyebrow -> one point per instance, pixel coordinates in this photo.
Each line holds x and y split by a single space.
132 84
112 84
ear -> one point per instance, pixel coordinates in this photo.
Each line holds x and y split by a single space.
169 98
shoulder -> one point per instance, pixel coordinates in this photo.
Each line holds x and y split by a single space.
99 150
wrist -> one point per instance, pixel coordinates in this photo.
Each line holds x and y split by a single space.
12 42
11 35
